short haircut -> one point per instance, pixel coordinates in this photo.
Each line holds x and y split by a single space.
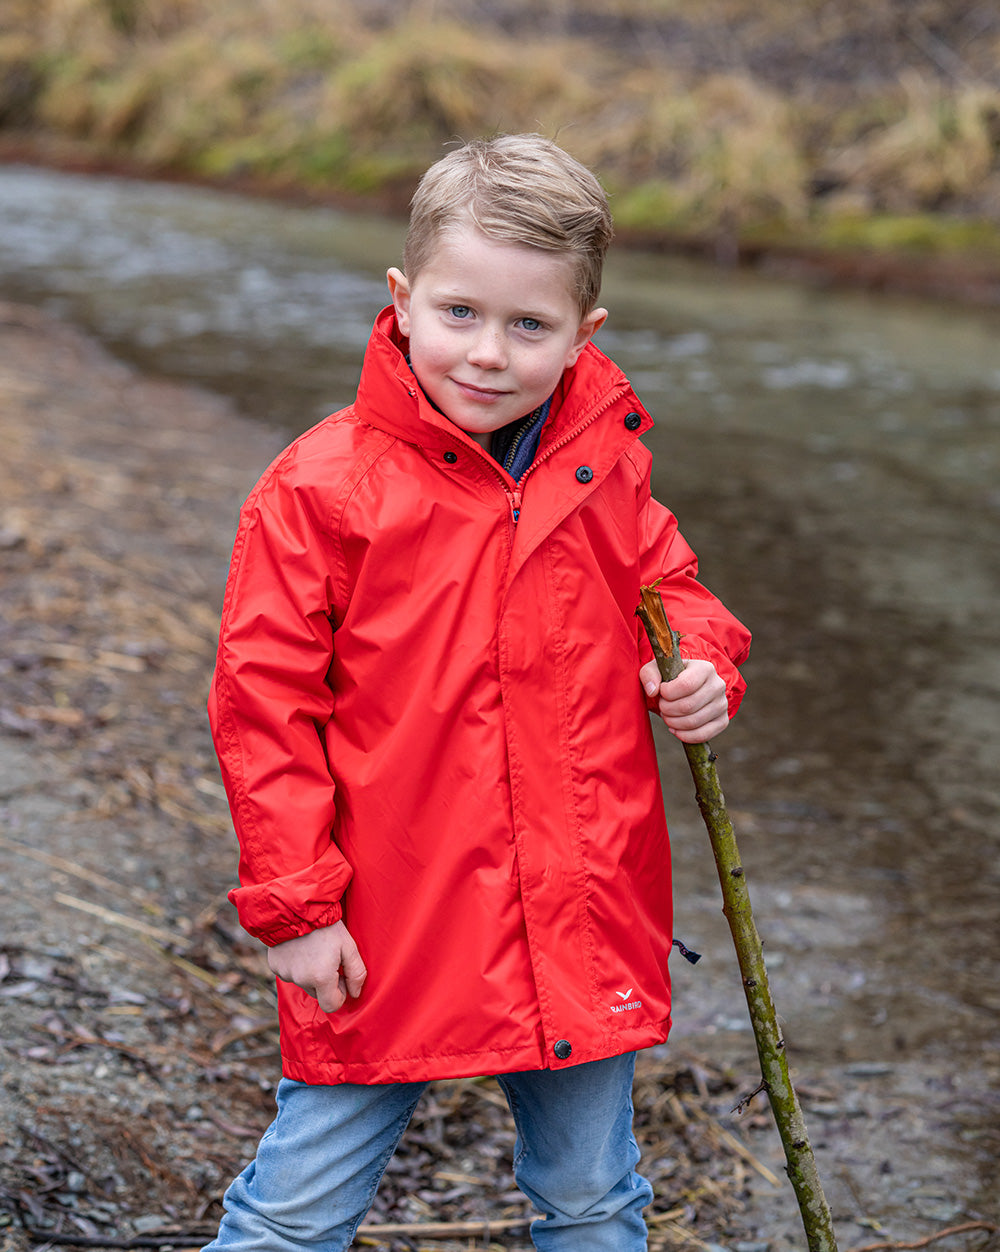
520 189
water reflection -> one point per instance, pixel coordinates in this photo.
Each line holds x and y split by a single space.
271 306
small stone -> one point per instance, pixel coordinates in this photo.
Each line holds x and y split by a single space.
146 1223
934 1206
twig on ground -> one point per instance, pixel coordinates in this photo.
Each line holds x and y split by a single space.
964 1228
116 919
142 898
734 1145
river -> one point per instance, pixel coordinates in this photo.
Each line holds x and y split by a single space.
835 459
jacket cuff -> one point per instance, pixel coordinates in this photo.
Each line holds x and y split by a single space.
266 916
694 648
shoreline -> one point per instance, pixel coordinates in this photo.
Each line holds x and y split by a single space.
139 1024
958 277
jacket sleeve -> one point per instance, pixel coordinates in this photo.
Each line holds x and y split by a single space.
708 630
268 704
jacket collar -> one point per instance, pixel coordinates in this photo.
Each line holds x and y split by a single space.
390 398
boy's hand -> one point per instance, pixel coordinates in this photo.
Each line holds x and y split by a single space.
693 705
325 963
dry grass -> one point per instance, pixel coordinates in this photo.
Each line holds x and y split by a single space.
715 117
940 148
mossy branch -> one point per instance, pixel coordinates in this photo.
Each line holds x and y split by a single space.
801 1163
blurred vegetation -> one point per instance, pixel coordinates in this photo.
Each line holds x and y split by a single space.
825 123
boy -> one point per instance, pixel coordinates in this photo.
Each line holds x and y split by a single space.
429 711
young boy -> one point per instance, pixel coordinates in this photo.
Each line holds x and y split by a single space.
431 707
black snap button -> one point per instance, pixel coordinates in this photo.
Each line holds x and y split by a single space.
563 1049
633 421
451 457
584 474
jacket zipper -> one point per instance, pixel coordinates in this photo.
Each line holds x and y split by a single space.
512 451
514 497
572 434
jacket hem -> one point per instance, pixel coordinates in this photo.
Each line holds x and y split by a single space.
466 1064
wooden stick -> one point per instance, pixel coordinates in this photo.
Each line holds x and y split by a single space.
801 1164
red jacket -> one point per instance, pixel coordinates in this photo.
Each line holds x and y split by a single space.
428 715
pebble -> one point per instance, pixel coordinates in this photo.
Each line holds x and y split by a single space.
932 1205
75 1182
146 1223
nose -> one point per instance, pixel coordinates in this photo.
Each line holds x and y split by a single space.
488 350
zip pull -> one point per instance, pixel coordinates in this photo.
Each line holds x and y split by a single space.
687 953
515 504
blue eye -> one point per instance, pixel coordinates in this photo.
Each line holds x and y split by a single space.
460 311
530 324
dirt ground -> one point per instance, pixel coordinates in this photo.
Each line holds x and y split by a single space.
138 1045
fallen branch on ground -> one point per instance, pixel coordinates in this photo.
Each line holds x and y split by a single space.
964 1228
189 1241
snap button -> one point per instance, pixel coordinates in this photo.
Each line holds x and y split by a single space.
633 421
584 474
563 1049
451 457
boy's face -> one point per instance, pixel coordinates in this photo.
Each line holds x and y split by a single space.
492 326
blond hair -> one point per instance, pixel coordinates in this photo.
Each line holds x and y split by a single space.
520 189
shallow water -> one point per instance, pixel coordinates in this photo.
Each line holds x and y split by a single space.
833 457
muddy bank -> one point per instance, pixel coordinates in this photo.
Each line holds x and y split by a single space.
138 1050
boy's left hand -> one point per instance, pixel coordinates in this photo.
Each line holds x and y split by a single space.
693 706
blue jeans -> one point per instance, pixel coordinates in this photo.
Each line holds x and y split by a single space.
320 1161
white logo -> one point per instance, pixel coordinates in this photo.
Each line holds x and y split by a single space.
627 1004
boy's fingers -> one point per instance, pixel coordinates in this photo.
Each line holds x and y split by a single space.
649 676
331 996
325 963
702 734
354 983
354 969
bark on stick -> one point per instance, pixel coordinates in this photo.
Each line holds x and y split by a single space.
801 1163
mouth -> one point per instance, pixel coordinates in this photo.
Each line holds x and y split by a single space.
484 395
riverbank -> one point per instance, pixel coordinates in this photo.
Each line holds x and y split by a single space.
855 144
962 277
139 1048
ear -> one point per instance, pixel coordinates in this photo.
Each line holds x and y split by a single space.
399 290
589 327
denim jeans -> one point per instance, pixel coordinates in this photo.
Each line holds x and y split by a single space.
320 1161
